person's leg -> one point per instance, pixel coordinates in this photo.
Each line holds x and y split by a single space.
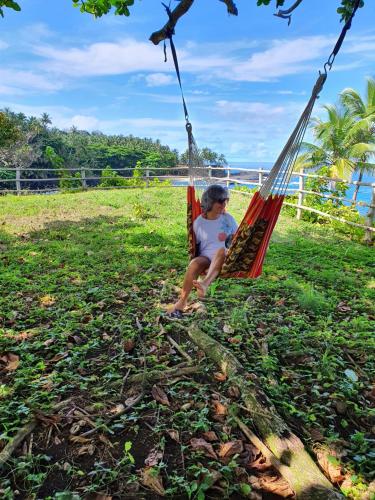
195 268
212 273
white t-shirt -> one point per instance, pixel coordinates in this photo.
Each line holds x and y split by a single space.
211 234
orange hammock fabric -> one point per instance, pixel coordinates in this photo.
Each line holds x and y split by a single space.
250 243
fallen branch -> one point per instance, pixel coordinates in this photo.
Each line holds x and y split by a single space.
113 417
9 449
179 349
157 375
305 478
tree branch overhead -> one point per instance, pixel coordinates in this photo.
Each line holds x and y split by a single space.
181 9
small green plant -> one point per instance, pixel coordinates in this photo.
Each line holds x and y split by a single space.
128 457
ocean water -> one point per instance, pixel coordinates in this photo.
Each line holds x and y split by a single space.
364 193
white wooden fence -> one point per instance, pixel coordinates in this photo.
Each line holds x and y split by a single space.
241 177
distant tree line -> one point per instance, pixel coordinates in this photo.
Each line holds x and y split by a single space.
58 157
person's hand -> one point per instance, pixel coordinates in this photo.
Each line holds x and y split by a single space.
228 241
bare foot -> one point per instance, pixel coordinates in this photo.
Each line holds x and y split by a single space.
178 306
201 288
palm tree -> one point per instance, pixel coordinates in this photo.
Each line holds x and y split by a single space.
339 145
363 112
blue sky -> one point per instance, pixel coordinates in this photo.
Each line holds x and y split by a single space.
246 78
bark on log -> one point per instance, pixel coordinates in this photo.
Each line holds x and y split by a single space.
157 375
304 476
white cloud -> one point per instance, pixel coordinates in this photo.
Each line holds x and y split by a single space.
6 90
284 57
159 79
363 44
83 122
28 80
255 111
97 59
3 45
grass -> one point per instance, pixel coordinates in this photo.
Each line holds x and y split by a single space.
84 278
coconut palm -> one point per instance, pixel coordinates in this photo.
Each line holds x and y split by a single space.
337 146
363 112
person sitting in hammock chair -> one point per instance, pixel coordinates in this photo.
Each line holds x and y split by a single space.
213 231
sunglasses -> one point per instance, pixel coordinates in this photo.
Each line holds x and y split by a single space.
222 201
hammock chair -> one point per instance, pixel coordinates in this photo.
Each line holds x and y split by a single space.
249 245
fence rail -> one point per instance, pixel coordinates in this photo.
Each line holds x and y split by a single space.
241 177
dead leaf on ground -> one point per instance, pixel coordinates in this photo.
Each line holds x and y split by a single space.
87 449
261 464
234 392
186 406
219 408
47 419
280 302
210 436
128 345
159 395
20 336
105 440
102 496
230 448
234 340
328 461
154 457
47 300
220 376
227 329
10 361
58 357
152 480
343 307
173 434
202 445
250 454
115 410
76 427
276 485
316 435
131 400
79 439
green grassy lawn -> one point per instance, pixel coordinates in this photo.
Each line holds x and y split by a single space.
84 278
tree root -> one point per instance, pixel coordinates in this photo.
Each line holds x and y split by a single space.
10 448
295 464
157 375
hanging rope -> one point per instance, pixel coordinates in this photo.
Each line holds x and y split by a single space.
246 254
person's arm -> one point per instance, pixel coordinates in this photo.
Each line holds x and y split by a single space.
234 227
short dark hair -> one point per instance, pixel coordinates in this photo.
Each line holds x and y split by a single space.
213 193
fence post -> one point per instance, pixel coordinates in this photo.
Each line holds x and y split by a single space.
83 177
260 176
370 218
209 171
147 177
301 195
18 180
228 178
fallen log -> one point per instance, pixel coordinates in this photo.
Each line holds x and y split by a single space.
304 476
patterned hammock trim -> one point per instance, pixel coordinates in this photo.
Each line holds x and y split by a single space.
246 254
